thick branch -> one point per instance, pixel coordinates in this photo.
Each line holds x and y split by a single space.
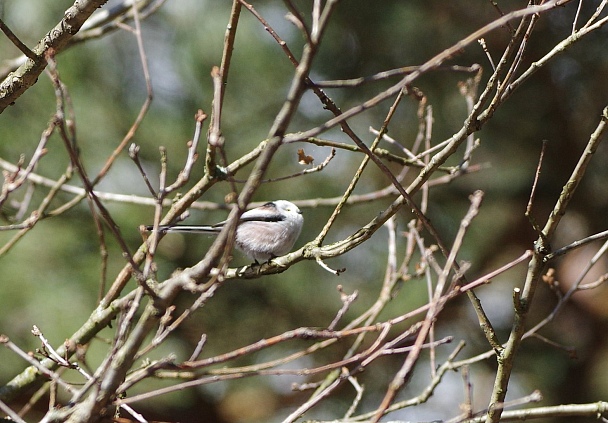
16 83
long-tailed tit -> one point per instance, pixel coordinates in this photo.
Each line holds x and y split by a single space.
262 233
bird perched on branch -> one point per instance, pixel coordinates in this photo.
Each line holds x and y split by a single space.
263 233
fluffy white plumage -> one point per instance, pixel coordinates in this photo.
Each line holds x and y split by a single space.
263 233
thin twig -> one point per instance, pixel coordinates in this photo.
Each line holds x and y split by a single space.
347 300
576 244
528 212
9 412
16 41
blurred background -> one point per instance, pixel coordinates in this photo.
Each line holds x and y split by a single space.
51 277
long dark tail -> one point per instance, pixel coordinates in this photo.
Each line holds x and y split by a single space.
186 228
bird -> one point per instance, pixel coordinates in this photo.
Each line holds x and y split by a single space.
263 233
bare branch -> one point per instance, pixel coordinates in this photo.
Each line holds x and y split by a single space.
16 83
